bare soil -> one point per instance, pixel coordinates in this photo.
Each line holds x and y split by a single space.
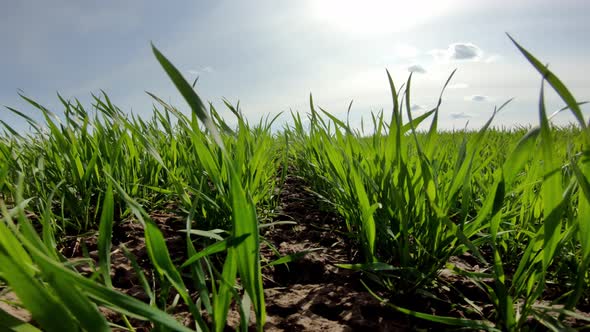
312 294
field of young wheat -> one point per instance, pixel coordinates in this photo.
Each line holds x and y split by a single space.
183 222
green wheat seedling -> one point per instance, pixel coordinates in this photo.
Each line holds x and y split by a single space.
88 167
412 200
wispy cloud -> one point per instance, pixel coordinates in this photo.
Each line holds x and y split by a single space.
458 86
416 69
478 98
460 115
458 52
201 70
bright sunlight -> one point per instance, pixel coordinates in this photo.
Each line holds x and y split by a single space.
377 16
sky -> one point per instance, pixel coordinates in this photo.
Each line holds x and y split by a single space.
271 54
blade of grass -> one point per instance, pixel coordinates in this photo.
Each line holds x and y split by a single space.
105 234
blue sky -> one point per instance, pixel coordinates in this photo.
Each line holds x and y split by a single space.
270 55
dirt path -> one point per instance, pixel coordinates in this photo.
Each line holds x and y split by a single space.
312 294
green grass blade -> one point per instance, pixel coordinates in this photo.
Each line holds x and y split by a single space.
583 234
223 298
581 174
291 258
117 301
42 305
215 248
188 93
555 82
158 252
10 323
245 223
551 189
417 121
9 128
453 321
520 155
197 270
140 274
86 312
105 234
8 241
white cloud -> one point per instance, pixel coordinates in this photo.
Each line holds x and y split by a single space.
416 69
477 98
458 52
458 86
460 115
201 70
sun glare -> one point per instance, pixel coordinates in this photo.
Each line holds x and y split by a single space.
377 16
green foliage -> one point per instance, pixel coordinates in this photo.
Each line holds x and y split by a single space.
414 199
92 169
517 200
